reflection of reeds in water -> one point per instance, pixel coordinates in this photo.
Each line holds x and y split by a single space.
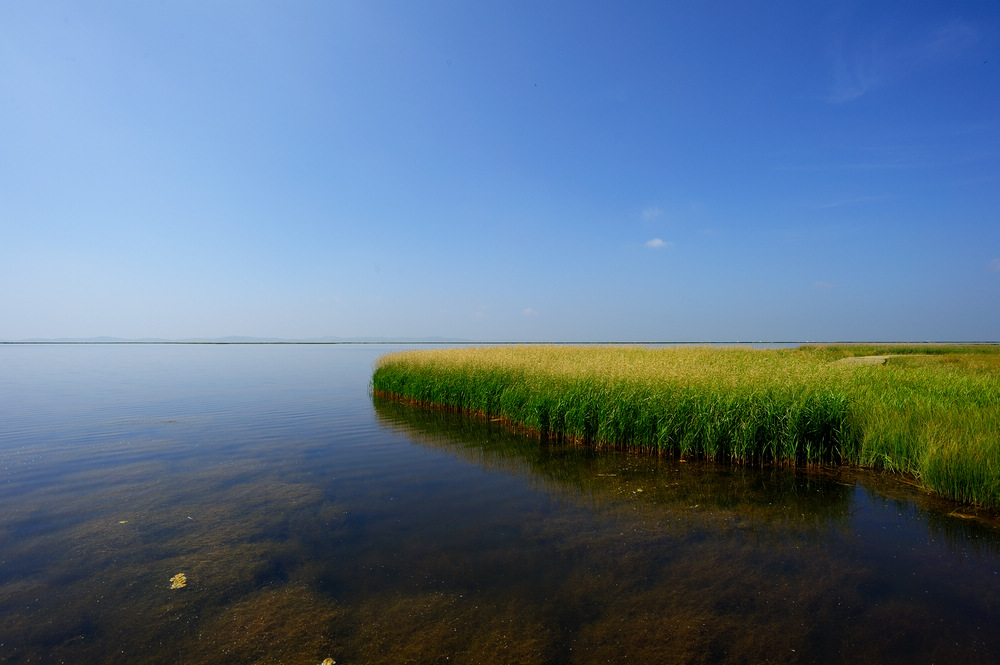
777 499
932 412
763 568
692 493
968 532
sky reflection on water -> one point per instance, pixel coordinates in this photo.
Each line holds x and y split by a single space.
312 521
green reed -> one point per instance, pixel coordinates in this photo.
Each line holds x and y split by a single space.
929 411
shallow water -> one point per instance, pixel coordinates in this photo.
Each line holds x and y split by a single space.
312 521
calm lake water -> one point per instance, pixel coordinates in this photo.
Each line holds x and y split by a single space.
313 522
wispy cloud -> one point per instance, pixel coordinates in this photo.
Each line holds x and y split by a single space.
995 265
854 73
858 66
527 311
892 163
824 286
949 41
860 200
657 243
651 213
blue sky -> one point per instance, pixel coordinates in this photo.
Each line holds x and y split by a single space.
549 171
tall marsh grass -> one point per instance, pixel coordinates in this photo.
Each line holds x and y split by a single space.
932 412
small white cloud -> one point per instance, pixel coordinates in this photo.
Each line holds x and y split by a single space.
995 265
657 243
527 311
826 286
651 213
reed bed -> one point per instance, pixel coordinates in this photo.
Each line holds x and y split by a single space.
931 412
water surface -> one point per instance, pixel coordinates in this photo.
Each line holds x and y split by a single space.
312 521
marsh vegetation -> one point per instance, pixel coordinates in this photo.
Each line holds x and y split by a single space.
930 413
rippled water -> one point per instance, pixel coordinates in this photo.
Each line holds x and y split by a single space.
312 522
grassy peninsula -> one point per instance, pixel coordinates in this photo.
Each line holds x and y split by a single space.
931 412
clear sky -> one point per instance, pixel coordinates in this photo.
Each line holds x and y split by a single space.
544 170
